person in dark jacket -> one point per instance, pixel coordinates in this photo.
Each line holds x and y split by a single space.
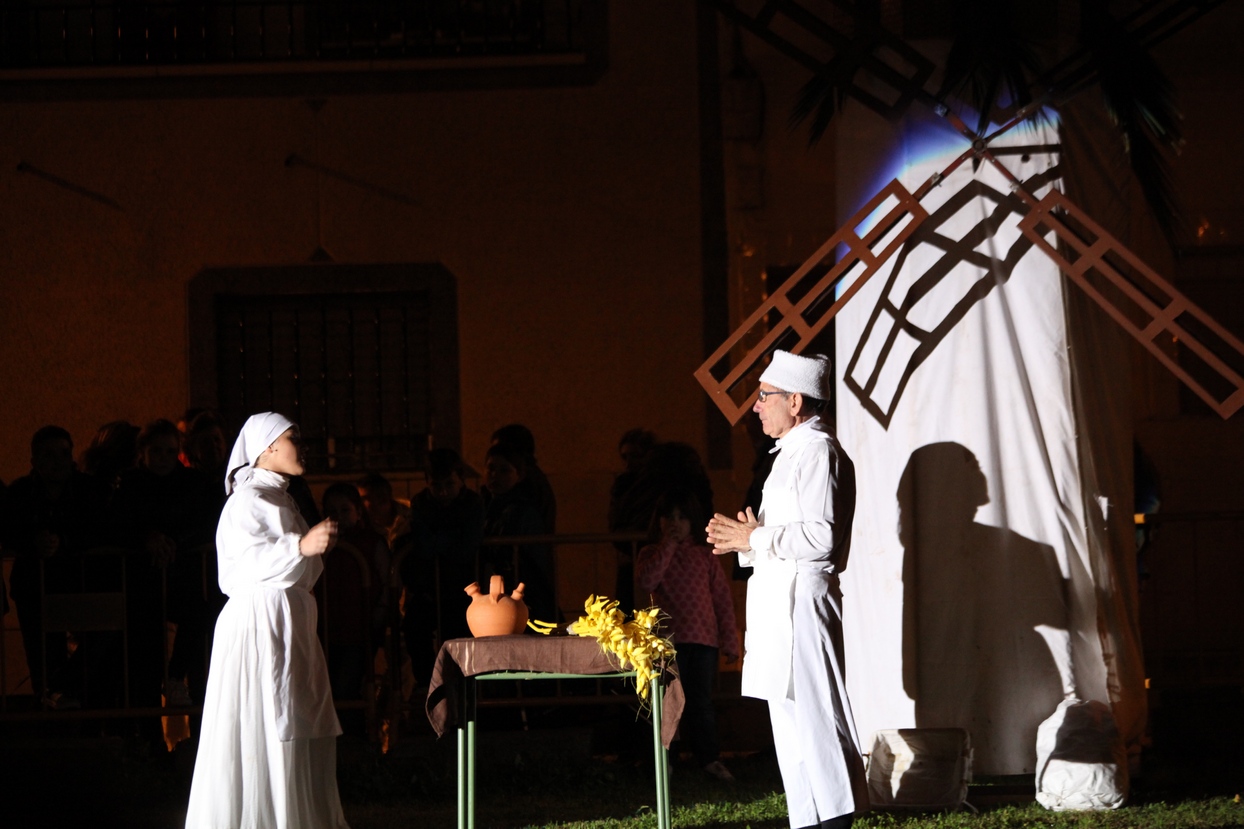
165 514
48 520
519 439
448 522
512 508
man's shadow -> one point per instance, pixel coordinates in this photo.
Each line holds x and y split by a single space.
973 597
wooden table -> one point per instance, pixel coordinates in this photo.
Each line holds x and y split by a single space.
463 662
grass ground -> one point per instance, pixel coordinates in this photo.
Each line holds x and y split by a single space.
67 775
607 795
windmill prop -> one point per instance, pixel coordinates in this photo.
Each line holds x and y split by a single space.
1147 306
843 45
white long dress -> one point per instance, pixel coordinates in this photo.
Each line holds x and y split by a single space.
267 752
793 655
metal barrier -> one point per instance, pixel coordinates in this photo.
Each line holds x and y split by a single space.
365 609
383 695
79 611
71 610
87 610
91 609
633 541
517 542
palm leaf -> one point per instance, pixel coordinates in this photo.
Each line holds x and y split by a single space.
1140 101
990 62
820 98
991 67
823 95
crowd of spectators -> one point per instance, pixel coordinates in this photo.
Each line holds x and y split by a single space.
136 516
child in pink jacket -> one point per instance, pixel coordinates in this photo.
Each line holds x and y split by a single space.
681 574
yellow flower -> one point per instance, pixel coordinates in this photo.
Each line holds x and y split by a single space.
635 644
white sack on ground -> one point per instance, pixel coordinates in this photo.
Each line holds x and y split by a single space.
919 768
1081 762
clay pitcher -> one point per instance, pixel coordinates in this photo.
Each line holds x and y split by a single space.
496 614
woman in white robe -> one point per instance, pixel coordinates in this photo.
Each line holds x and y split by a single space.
267 751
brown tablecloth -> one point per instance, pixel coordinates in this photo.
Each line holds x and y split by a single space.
461 658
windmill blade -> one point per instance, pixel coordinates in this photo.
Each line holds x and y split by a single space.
799 318
1152 310
784 321
921 305
814 35
1211 359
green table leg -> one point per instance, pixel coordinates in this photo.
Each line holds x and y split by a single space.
470 795
466 743
462 781
471 691
466 758
660 758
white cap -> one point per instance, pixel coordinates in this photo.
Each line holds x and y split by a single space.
810 376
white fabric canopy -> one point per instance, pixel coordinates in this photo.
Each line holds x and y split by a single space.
972 595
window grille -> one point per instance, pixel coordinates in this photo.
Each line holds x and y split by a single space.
370 376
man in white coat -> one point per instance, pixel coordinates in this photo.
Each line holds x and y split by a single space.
798 545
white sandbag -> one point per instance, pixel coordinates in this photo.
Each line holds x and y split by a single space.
1081 761
919 768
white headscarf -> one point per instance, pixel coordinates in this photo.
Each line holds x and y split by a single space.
260 431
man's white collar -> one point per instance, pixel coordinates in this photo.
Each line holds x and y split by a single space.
798 435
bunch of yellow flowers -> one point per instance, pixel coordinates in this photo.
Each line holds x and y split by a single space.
636 643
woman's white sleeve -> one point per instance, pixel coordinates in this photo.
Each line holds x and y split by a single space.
258 543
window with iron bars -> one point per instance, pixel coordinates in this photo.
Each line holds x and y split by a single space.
370 376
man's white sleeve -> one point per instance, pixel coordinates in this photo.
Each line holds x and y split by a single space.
810 536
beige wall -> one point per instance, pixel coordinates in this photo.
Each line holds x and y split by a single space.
1199 455
570 217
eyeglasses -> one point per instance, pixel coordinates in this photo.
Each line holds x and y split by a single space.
764 394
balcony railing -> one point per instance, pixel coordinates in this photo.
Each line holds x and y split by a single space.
44 34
